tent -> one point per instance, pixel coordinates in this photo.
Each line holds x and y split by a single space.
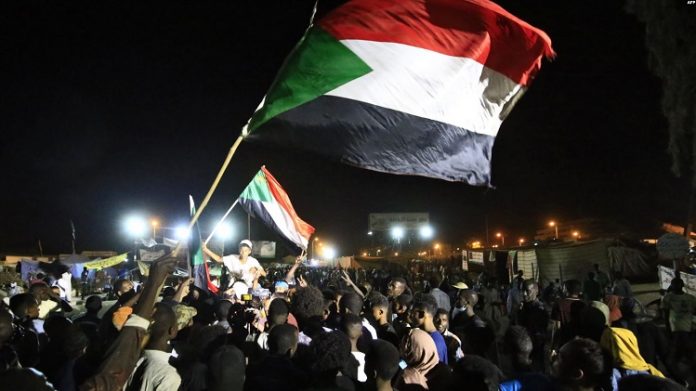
572 260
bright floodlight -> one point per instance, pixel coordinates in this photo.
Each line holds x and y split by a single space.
329 252
224 231
182 232
136 226
397 233
426 232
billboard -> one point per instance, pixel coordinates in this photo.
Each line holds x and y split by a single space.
263 249
385 221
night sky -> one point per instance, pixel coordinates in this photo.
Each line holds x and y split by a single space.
114 107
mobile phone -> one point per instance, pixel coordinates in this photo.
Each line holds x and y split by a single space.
246 297
402 364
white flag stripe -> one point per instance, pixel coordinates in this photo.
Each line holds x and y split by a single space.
454 90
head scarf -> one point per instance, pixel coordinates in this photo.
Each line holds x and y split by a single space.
420 353
623 345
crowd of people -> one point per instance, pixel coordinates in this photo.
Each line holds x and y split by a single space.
430 327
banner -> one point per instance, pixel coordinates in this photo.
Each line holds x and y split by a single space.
476 257
264 249
104 263
666 274
149 255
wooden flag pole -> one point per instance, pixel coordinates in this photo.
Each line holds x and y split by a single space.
216 182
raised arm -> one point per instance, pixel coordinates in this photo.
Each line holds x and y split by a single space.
211 254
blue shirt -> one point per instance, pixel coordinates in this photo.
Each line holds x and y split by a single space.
440 345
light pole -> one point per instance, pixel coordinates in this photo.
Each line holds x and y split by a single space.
521 241
313 253
500 236
154 224
555 226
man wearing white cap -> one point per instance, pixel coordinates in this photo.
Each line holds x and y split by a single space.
243 265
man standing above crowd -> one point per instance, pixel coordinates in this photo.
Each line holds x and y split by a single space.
602 278
680 307
244 266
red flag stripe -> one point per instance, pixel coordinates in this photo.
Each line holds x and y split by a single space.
476 29
282 198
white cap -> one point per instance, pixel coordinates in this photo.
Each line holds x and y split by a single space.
246 242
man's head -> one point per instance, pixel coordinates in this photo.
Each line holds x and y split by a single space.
282 340
93 304
573 287
226 369
122 286
468 298
677 285
278 312
402 303
441 320
350 303
163 326
382 361
580 363
307 304
6 329
24 305
435 280
397 286
245 248
40 291
222 309
590 276
518 343
351 324
530 290
380 307
423 311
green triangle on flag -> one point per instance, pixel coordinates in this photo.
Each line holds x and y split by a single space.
319 64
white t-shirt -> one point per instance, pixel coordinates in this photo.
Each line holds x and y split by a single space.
236 267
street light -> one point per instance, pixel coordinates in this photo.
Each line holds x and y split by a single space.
397 233
329 252
426 232
555 226
135 226
154 224
224 233
521 241
182 232
500 236
576 235
369 233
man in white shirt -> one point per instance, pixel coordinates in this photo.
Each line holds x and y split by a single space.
153 372
242 266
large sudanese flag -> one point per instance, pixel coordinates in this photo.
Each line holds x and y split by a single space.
265 199
199 268
414 87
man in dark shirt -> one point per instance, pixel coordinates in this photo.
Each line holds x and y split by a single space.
535 319
380 313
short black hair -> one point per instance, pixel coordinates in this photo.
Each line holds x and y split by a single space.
331 352
404 299
222 309
278 311
441 311
477 373
517 340
383 357
586 355
19 304
379 301
308 303
425 301
282 338
163 319
573 287
93 303
226 369
351 301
